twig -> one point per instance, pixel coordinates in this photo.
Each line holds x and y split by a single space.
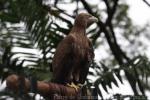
147 2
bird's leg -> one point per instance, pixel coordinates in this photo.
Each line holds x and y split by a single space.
76 87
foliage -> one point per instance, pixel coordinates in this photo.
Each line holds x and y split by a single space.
30 31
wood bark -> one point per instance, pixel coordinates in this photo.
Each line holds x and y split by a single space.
49 90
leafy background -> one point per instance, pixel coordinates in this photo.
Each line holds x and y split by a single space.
30 31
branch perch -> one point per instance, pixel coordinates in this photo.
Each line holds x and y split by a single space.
43 88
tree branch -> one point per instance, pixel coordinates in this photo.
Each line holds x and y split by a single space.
107 5
111 11
87 7
147 2
43 88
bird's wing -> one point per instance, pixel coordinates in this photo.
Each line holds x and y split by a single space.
91 51
90 56
63 60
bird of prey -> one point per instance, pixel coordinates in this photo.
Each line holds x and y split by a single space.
74 54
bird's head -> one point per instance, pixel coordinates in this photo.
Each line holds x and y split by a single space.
85 20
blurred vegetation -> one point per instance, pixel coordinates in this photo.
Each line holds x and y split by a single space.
30 31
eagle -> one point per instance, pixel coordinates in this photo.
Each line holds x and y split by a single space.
74 54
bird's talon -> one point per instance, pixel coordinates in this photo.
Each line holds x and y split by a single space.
76 87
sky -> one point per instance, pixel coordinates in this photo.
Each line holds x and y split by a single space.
139 11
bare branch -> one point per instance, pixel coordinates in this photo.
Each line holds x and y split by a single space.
87 7
43 88
107 5
111 12
147 2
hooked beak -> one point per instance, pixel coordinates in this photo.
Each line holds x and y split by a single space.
93 19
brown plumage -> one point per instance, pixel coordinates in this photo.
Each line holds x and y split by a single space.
74 53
